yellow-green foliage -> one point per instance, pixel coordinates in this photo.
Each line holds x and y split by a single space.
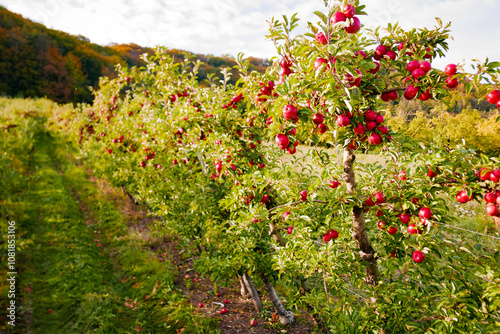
478 131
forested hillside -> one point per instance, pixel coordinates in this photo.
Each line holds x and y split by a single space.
36 61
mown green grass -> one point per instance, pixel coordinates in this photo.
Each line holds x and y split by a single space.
81 269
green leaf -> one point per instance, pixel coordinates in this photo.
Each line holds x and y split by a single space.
321 16
494 64
468 87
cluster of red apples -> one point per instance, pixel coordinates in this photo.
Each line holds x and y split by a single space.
347 15
424 214
492 198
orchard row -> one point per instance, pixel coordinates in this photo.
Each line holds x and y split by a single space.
223 167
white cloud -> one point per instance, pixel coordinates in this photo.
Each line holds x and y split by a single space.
226 26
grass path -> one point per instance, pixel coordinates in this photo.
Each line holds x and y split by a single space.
81 268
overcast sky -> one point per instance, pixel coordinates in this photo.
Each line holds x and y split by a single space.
231 26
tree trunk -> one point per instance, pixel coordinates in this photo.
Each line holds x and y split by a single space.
358 222
496 220
252 291
243 289
286 317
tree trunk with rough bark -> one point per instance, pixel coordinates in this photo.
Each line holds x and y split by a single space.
243 289
358 222
286 317
496 220
252 291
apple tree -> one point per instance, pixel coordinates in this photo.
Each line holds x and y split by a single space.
361 246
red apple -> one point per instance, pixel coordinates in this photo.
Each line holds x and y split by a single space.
429 53
285 63
349 11
319 62
425 66
352 145
265 198
318 118
289 230
200 305
484 174
370 115
381 224
223 311
462 197
385 97
379 119
338 17
362 53
333 234
334 184
303 195
343 120
383 129
353 81
417 73
493 97
322 128
369 202
379 197
393 96
371 125
290 112
253 322
320 38
381 50
405 218
292 150
285 215
354 26
326 237
490 198
374 139
410 92
237 98
492 210
451 82
418 256
390 55
359 129
425 96
392 230
375 70
432 173
282 141
425 213
495 175
412 229
450 69
412 65
285 71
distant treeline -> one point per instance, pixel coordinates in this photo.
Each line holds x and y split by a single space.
36 61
